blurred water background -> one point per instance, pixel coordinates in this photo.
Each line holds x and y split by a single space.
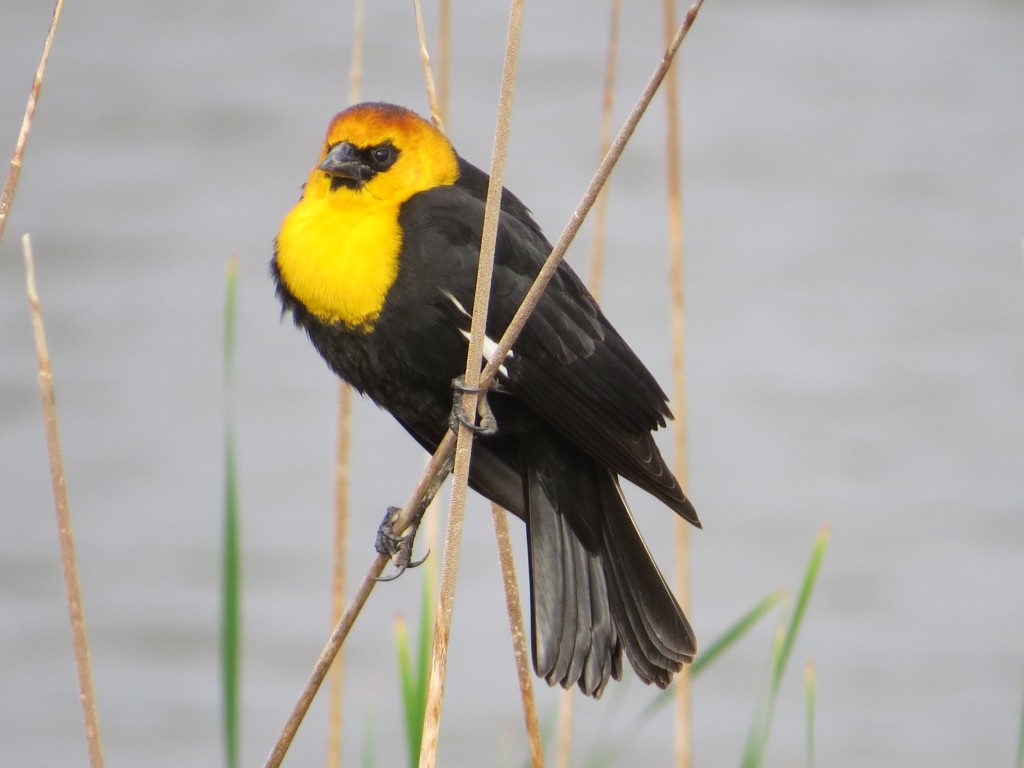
854 198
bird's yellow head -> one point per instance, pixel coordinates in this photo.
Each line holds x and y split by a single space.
337 251
383 153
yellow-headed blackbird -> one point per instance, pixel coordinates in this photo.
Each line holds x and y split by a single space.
377 262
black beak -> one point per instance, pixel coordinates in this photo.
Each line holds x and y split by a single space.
343 161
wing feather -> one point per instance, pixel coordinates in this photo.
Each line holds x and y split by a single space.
569 366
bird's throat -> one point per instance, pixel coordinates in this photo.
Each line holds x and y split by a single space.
340 262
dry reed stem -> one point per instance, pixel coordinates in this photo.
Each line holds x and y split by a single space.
342 478
355 72
438 467
515 620
342 465
566 706
607 105
505 556
547 271
683 715
432 479
69 561
595 284
323 662
428 75
464 441
444 57
14 172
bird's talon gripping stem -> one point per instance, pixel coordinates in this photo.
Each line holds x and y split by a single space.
399 546
488 424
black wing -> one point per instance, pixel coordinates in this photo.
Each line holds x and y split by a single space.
569 366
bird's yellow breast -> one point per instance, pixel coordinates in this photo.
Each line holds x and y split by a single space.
340 262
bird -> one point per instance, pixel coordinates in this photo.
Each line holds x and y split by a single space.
377 263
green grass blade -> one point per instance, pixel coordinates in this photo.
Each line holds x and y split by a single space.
802 600
412 716
230 610
230 302
757 739
1020 739
230 553
733 634
426 644
414 679
368 758
604 754
810 712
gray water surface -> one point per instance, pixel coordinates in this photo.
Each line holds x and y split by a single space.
854 197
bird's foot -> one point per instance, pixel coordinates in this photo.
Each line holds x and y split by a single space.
398 547
488 424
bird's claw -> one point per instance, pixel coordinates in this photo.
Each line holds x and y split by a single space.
398 547
488 424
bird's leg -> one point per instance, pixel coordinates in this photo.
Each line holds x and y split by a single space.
399 546
488 424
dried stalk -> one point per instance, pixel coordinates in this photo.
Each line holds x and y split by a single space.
547 271
343 466
566 705
439 110
594 283
342 477
683 715
428 75
607 105
437 469
515 619
355 72
444 57
464 442
14 173
432 479
79 636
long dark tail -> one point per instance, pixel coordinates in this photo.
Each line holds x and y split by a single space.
594 589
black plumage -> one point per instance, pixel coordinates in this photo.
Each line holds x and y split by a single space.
575 409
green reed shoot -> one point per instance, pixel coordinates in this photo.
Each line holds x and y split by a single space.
757 739
230 620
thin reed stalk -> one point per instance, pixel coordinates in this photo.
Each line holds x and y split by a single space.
444 57
563 744
355 71
595 284
811 696
607 105
14 172
342 481
439 110
549 267
69 560
437 471
683 714
428 75
505 558
464 440
439 466
342 465
515 618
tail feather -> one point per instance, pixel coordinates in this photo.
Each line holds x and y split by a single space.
573 634
595 591
603 659
667 631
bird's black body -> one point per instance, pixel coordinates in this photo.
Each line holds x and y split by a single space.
574 406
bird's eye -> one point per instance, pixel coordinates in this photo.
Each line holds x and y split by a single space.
383 156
